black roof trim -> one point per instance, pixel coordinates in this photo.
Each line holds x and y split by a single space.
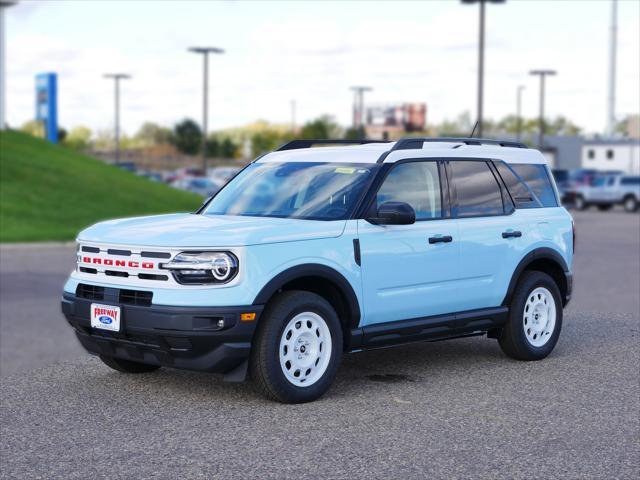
409 143
296 144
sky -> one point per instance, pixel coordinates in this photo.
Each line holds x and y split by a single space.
312 52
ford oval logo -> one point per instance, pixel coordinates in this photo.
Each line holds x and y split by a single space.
105 320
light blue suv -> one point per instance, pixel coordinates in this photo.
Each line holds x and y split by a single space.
309 253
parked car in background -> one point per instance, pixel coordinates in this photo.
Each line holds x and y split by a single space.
222 174
607 190
562 178
581 177
201 185
128 166
153 176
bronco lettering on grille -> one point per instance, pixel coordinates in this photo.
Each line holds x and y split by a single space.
117 263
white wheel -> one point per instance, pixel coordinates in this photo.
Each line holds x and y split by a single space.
580 204
630 204
305 349
539 317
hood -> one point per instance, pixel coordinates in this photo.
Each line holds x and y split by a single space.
192 230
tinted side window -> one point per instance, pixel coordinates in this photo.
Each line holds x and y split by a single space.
630 181
519 192
536 176
478 191
415 183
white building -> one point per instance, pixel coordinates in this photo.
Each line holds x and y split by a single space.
621 155
598 153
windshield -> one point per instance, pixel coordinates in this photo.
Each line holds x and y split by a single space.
312 191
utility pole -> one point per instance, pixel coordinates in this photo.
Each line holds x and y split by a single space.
205 51
613 44
542 74
4 4
116 78
358 107
481 36
519 112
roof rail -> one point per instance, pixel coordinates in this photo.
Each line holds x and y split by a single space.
409 143
296 144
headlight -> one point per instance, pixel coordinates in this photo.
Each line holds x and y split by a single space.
196 268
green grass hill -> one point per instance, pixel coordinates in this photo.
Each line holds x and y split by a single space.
48 192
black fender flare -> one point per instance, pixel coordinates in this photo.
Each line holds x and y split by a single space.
542 253
313 270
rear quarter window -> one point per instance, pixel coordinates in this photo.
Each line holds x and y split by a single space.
536 178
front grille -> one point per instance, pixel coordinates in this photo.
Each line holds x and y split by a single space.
130 266
152 276
90 292
136 297
155 254
116 273
113 251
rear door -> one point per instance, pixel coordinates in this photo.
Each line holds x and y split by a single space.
491 233
409 271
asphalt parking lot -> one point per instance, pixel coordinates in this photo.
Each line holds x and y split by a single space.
456 409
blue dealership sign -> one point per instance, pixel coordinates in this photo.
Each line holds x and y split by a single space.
47 104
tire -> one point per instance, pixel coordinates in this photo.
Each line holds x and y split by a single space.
579 203
127 366
630 204
604 208
299 339
539 295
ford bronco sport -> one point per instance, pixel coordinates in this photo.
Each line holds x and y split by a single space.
309 253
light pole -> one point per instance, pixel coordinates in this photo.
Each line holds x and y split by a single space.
3 87
116 78
542 74
519 112
358 107
481 57
611 97
205 51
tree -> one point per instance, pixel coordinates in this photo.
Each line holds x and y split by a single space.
322 128
354 133
187 137
562 126
153 134
265 141
228 149
79 138
34 128
212 146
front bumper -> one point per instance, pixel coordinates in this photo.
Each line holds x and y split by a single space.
178 337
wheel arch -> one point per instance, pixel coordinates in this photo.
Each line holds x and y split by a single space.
324 281
544 260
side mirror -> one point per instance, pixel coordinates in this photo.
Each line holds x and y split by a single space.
395 213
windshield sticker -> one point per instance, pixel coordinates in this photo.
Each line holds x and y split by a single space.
346 170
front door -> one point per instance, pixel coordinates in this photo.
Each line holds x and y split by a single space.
410 271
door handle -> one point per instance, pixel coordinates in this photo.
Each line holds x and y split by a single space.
441 239
511 234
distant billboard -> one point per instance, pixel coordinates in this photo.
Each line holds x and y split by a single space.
410 117
47 104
